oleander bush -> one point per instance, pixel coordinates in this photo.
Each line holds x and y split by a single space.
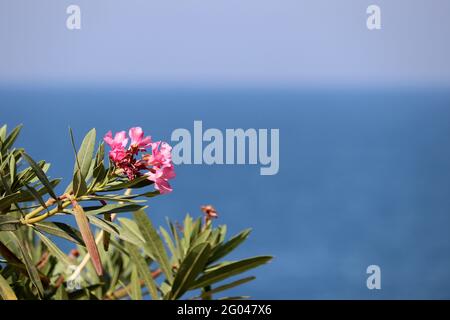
112 257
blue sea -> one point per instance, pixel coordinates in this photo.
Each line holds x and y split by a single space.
364 177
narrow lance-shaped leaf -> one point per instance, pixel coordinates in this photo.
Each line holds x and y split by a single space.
36 196
143 269
31 269
229 270
26 196
44 166
117 272
154 243
169 243
136 289
54 250
6 201
190 268
120 185
177 240
106 235
88 237
132 230
230 245
4 182
79 184
3 131
61 230
119 231
12 169
112 208
41 175
83 159
9 141
85 153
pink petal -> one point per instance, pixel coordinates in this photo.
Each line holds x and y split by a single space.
136 134
108 138
163 186
121 138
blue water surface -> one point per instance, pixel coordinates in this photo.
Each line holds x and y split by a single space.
364 177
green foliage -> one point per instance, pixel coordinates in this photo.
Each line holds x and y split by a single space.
136 261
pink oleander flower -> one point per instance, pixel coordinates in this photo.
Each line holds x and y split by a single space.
157 166
117 145
161 154
160 177
137 139
163 170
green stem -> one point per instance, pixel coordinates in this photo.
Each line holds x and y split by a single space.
33 218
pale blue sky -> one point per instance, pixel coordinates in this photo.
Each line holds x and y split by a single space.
225 41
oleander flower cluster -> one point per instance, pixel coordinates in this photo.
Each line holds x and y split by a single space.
129 155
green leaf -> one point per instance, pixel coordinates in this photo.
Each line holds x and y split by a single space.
223 233
143 269
154 243
36 196
116 274
229 270
31 269
120 185
9 223
41 175
204 236
197 229
136 289
6 201
83 160
100 155
85 154
190 268
5 290
54 250
79 184
170 244
229 246
12 169
88 238
3 131
177 240
132 230
112 208
114 229
227 287
9 141
106 234
44 166
99 171
61 230
5 183
26 196
187 230
110 197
